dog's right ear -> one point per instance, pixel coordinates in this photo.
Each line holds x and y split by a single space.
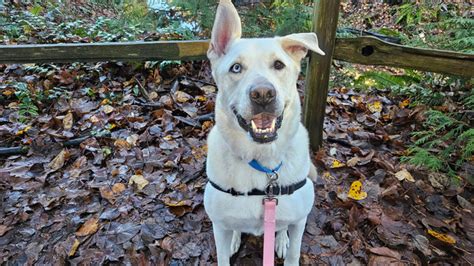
226 29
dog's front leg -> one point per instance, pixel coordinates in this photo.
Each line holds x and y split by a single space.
223 239
295 232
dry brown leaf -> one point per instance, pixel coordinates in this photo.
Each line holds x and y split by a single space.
68 120
139 181
118 188
59 160
108 194
4 229
384 251
404 175
89 227
122 144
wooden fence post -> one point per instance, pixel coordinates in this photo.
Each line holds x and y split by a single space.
325 16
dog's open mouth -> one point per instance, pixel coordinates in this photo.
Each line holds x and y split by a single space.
262 127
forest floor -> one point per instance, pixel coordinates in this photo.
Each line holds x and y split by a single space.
110 168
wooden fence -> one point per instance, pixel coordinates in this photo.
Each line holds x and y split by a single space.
361 50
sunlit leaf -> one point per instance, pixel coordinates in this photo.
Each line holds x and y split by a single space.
356 192
443 237
375 106
404 175
89 227
139 181
337 164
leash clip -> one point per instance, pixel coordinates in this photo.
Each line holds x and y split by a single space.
272 183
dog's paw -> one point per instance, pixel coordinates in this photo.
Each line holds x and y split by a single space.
235 245
282 243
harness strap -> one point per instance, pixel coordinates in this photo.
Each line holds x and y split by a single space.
277 190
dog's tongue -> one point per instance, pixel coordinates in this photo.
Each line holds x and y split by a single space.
264 120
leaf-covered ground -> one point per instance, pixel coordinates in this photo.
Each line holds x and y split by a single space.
104 163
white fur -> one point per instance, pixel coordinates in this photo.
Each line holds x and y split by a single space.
230 148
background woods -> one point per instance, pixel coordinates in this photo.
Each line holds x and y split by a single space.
104 162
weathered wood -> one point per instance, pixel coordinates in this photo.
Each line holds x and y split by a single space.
94 52
373 51
326 13
346 49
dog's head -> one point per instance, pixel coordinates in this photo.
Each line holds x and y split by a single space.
256 77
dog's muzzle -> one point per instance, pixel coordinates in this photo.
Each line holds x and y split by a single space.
262 127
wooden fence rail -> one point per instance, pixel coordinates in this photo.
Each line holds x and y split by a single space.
360 50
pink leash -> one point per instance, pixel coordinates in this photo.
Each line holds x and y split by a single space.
269 207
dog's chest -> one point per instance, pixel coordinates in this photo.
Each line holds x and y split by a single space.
245 213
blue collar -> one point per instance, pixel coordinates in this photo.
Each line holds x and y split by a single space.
257 166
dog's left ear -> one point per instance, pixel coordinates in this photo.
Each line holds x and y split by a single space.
227 28
298 44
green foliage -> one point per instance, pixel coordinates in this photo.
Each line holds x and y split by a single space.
27 106
443 144
279 18
414 13
437 26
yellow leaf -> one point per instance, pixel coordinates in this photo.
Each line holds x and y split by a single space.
404 175
59 160
23 131
355 192
337 164
201 98
375 107
74 247
89 227
8 92
68 121
105 101
404 103
443 237
138 180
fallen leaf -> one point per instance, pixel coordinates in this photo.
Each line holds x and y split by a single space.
59 160
138 180
74 247
404 175
404 103
107 109
182 97
384 251
353 161
375 107
355 192
89 227
337 164
118 188
122 144
443 237
4 229
68 120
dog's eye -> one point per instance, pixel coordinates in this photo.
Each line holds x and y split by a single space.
278 65
236 68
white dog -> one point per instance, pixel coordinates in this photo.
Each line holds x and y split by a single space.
257 127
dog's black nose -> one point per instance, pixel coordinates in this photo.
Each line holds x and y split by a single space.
263 94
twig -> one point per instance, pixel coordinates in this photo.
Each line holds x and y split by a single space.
24 149
143 90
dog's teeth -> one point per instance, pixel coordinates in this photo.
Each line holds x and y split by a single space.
273 124
254 127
